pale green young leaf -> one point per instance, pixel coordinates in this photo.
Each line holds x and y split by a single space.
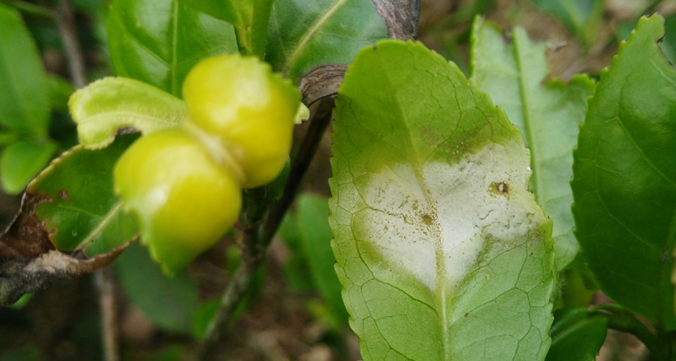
110 104
546 112
22 161
441 249
24 105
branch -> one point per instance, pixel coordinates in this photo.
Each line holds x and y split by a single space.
105 282
104 278
257 240
66 24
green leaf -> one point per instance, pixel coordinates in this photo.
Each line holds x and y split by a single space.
22 161
24 105
84 213
108 105
576 335
168 302
315 234
59 90
159 42
624 182
668 44
546 112
442 251
581 17
203 316
250 18
296 271
306 34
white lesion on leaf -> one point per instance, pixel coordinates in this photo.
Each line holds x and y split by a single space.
434 222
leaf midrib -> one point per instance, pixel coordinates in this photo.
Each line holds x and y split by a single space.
441 282
114 211
526 111
293 57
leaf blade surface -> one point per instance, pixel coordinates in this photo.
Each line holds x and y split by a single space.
546 113
442 252
24 105
624 182
158 42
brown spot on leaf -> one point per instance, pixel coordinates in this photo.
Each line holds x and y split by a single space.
500 188
63 194
427 219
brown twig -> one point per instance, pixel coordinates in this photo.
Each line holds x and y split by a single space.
105 283
104 278
257 238
66 24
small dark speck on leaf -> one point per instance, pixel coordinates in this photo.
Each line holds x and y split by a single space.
466 314
427 219
502 187
63 194
664 257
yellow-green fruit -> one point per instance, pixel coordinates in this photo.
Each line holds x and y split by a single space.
250 109
184 201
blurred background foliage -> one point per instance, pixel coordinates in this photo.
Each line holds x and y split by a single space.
294 311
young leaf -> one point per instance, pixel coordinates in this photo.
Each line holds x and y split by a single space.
169 302
250 18
21 161
159 42
624 182
442 251
576 335
108 105
315 234
82 212
24 105
547 113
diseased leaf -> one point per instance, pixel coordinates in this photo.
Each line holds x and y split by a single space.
315 234
442 251
624 182
22 161
158 42
28 260
24 105
250 18
83 213
576 335
546 113
169 302
104 107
